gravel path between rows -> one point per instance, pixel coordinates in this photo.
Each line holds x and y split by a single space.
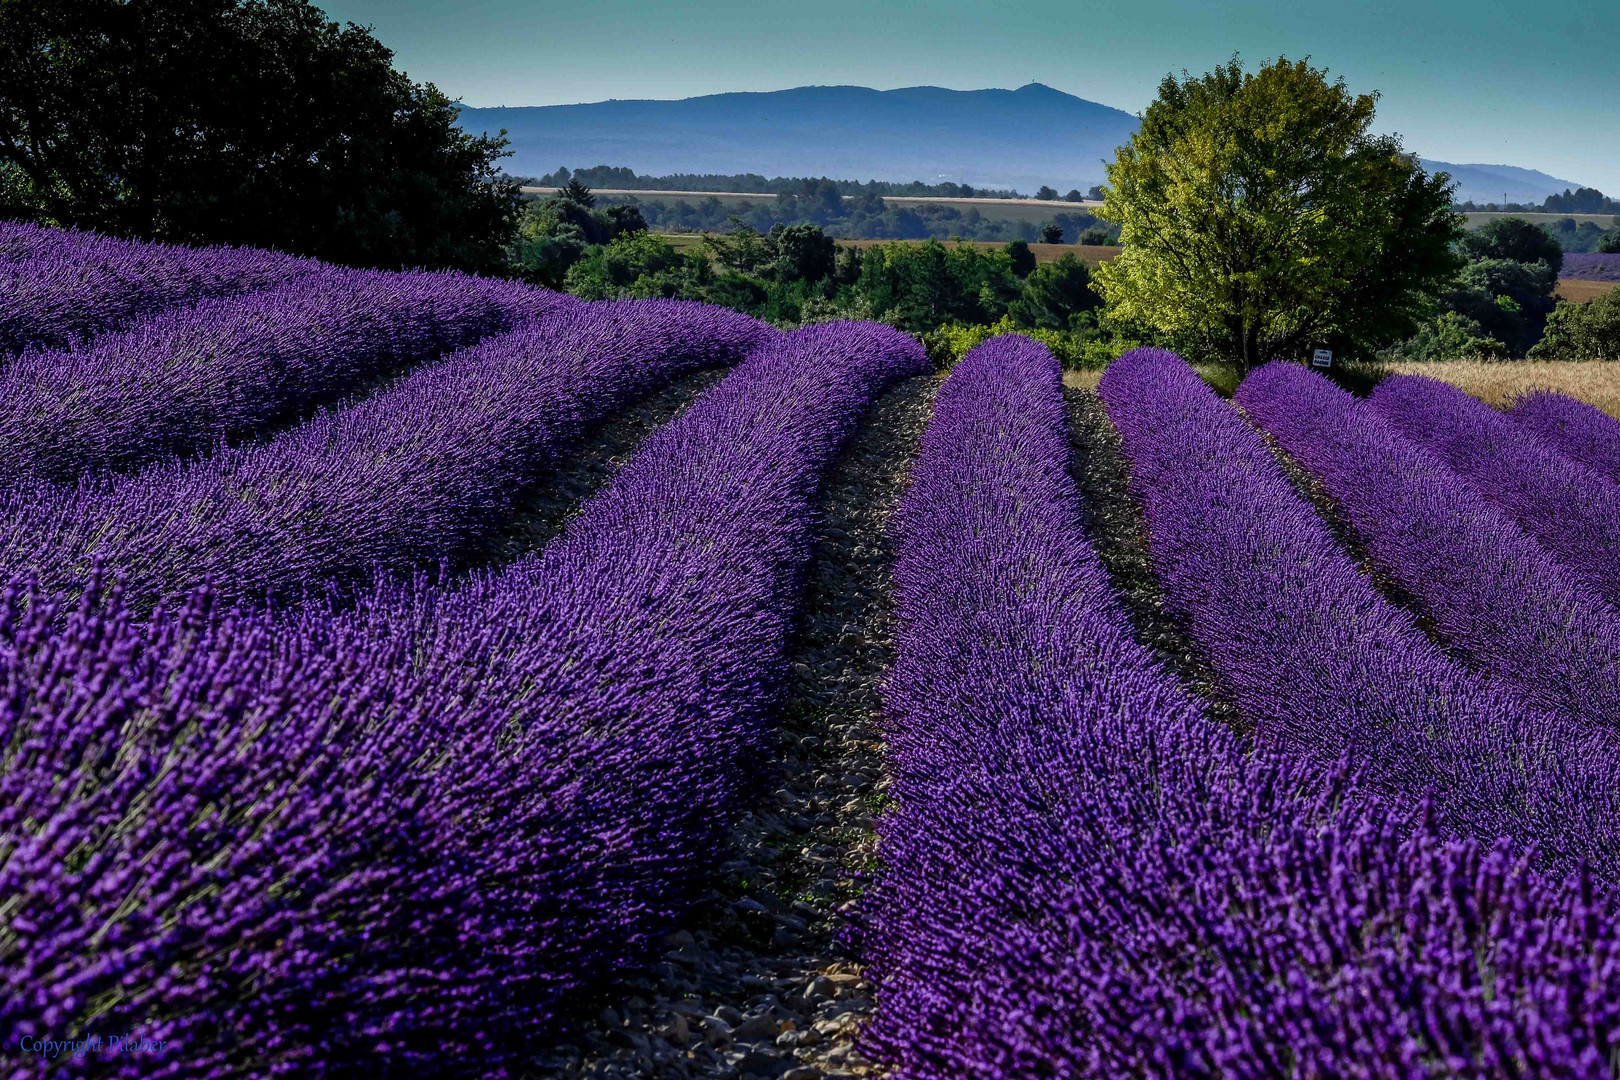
757 983
1119 534
1344 532
553 499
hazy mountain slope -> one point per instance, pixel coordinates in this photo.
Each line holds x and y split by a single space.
989 138
1020 138
1486 183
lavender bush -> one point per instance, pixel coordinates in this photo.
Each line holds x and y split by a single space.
1491 591
414 475
1573 511
417 834
1317 661
59 286
180 382
1085 877
1592 266
1574 428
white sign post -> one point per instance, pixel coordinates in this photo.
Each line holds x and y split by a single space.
1322 358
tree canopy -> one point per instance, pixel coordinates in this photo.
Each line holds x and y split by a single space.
239 121
1516 239
1261 217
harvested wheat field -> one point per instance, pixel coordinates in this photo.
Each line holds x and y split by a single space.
1596 382
1577 291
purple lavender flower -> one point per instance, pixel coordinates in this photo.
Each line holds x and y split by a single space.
415 835
1573 511
58 286
1573 428
414 475
179 382
1317 660
1490 590
1591 266
1083 876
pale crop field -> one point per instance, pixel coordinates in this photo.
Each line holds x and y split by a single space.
1594 382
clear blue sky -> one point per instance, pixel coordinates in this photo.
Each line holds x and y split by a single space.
1531 84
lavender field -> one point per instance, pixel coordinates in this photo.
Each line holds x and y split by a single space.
418 674
1591 267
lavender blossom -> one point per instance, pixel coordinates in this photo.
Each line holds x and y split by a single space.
1573 511
1317 660
1083 876
1493 593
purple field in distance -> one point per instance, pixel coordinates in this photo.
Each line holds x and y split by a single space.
1591 267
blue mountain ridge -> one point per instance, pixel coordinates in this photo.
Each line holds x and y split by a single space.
988 138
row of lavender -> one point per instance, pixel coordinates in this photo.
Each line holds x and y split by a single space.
58 287
1318 661
1087 877
417 474
1591 267
181 381
411 833
1504 602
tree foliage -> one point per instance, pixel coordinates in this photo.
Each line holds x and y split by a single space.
240 121
1516 239
1582 331
1260 217
1054 294
1022 259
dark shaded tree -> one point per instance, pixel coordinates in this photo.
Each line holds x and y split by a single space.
240 121
1051 233
1516 239
1053 294
1509 298
576 192
803 253
1023 260
1046 193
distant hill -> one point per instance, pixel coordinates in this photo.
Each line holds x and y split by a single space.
987 138
1487 183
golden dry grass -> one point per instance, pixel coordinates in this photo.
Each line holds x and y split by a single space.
1083 380
1579 292
1595 382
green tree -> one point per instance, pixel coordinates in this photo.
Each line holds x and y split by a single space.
1582 331
1051 233
1510 299
921 286
1259 216
1046 193
578 193
1448 336
1054 294
803 253
1022 259
241 121
1610 244
1515 239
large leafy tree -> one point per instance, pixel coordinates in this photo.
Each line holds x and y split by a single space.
1261 217
243 121
1516 239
